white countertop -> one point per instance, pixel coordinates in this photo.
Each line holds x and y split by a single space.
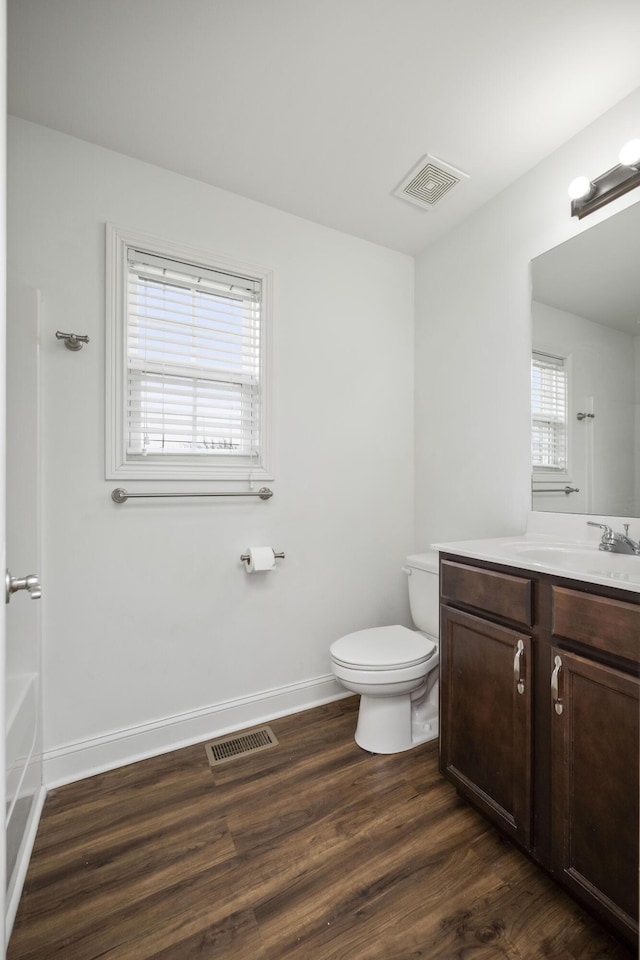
574 557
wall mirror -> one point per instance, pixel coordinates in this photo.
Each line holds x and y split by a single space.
586 372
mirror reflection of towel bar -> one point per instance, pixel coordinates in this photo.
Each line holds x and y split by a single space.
566 490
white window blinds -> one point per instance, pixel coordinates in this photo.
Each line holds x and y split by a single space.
548 413
193 339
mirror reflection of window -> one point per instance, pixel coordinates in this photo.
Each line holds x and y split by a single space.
548 415
585 307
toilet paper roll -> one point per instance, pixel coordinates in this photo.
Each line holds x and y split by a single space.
260 558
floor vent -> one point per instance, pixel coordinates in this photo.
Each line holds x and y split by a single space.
429 181
239 745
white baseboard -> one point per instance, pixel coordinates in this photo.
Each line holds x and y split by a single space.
84 758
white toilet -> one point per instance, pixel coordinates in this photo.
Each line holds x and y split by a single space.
394 669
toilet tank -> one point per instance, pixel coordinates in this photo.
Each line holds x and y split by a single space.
423 578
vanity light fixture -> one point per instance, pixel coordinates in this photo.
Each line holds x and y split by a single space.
629 156
589 195
581 188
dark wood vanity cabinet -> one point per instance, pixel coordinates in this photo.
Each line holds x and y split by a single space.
594 777
539 723
594 749
486 722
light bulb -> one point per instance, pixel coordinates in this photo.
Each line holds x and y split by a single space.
630 153
580 188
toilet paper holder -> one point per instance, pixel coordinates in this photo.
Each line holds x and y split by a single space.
246 558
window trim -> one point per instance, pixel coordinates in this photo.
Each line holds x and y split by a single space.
187 467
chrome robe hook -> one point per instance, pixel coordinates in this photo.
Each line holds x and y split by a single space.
72 341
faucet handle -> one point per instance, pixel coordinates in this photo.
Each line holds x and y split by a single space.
603 526
608 538
626 529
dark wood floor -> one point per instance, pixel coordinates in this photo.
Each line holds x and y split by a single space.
312 850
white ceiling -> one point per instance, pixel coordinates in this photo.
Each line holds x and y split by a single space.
320 107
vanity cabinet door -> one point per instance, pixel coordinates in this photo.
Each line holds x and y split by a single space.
486 730
594 785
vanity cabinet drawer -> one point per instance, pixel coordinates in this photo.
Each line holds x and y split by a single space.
495 593
610 625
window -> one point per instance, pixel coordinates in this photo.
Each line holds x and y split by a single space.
187 363
548 415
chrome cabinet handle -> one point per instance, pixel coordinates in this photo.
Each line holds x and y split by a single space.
555 695
29 583
518 662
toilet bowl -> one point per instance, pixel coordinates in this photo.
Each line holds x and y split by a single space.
394 669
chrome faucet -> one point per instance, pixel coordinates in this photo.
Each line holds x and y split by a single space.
616 542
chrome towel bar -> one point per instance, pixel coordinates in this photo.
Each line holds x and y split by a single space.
566 490
119 495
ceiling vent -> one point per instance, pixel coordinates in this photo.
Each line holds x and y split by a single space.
429 181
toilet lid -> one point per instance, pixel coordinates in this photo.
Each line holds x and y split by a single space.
382 648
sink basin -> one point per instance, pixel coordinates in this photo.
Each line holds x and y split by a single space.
565 556
579 558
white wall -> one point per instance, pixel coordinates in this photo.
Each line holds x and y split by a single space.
147 611
473 340
637 432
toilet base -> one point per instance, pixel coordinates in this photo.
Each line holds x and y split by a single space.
424 724
392 724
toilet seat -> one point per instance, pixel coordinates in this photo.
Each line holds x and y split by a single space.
383 648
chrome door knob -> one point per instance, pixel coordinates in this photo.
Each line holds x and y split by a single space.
29 583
